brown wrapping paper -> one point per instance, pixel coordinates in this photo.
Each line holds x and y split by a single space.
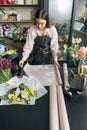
65 72
64 123
58 75
54 121
63 118
50 75
45 73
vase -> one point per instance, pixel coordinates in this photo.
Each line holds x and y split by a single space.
85 83
82 67
82 72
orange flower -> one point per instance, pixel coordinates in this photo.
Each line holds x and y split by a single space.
82 52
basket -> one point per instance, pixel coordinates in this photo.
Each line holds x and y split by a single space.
5 17
12 15
28 2
12 18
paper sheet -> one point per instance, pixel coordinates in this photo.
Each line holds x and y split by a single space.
46 73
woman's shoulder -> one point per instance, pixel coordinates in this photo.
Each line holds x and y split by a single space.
52 30
32 28
52 27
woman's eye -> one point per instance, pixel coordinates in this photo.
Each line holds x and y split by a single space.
40 23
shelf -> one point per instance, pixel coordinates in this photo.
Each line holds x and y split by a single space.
83 33
80 21
21 21
16 5
3 37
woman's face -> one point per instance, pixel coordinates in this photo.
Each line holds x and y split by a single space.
41 23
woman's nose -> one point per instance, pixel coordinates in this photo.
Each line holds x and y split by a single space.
39 26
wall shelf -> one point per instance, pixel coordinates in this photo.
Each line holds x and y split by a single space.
21 21
16 5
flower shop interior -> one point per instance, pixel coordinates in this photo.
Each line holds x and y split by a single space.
63 105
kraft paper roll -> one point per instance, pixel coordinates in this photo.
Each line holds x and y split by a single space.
58 75
65 71
54 116
64 123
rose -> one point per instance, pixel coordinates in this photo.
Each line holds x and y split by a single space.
82 52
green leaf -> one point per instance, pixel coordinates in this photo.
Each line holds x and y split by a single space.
4 97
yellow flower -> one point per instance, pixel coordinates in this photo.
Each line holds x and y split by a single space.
15 97
31 91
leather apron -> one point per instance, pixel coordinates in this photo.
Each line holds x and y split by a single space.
42 53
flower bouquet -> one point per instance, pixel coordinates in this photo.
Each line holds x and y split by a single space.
63 45
64 48
5 69
24 91
72 50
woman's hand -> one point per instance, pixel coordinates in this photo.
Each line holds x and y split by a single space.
21 63
56 63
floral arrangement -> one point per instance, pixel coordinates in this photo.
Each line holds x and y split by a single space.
82 69
64 47
82 52
82 56
72 50
22 93
5 69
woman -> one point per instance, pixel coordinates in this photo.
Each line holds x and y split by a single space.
42 39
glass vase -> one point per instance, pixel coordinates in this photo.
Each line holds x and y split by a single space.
82 72
82 67
85 83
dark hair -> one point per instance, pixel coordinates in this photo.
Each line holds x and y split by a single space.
42 13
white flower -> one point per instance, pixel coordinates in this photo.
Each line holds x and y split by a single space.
78 40
73 41
24 94
65 48
10 96
17 92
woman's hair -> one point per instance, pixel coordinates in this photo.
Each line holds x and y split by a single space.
42 13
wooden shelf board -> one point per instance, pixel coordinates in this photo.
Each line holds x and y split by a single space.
21 21
17 5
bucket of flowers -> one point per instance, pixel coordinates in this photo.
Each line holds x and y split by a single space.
82 68
80 54
5 69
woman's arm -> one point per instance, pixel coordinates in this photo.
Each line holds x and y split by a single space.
28 47
54 44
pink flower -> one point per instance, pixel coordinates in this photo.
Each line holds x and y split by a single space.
5 63
5 68
82 52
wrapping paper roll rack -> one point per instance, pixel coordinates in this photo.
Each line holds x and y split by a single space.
49 75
